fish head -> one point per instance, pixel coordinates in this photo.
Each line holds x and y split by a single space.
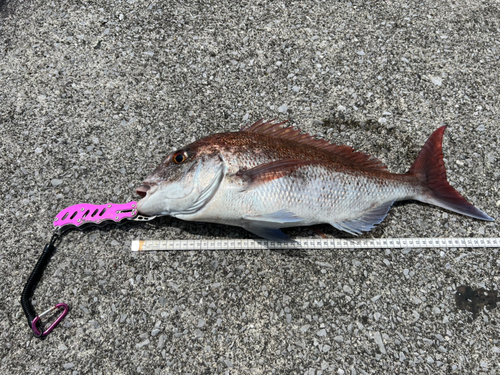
183 183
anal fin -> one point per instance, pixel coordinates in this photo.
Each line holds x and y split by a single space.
365 222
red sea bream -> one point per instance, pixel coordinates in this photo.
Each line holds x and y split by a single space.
266 177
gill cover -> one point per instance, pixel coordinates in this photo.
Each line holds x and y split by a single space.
182 190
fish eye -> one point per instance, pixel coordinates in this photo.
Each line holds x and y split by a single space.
179 157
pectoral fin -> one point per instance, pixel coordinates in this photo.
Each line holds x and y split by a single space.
270 171
365 222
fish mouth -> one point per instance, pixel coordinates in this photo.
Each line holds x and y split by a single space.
143 189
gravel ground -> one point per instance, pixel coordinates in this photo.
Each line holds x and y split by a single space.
93 96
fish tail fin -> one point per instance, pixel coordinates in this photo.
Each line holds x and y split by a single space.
429 169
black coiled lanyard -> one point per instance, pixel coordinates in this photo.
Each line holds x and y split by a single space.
34 320
77 216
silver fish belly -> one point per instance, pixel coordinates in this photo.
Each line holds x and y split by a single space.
313 195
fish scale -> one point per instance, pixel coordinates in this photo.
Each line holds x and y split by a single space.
331 196
266 177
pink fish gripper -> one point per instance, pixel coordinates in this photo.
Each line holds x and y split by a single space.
86 213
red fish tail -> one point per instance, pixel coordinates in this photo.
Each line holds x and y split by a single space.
430 170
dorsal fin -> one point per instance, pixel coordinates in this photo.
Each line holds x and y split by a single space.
276 130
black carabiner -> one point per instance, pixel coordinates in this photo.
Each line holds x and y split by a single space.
29 289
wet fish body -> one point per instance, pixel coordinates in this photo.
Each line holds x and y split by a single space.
266 177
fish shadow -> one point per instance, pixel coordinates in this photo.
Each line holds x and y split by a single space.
199 231
212 231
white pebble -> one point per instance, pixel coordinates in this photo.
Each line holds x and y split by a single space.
379 342
347 289
321 333
283 109
155 331
438 81
56 182
305 328
142 344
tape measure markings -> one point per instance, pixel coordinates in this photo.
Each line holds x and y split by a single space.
310 244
